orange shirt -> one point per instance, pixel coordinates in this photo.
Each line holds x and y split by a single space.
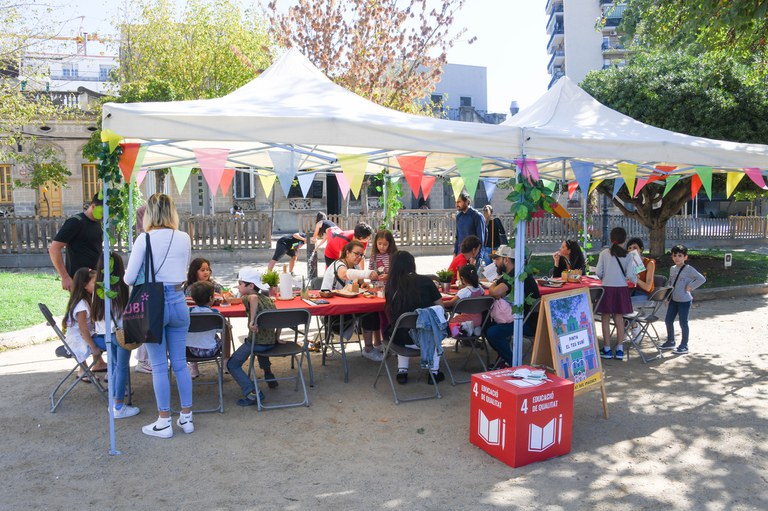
642 275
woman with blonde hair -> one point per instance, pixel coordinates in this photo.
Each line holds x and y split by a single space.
170 253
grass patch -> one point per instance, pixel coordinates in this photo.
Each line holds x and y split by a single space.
21 292
747 267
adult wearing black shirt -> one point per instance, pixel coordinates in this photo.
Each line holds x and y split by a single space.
82 236
569 257
498 334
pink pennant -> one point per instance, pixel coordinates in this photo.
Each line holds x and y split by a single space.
427 182
343 184
413 170
754 174
227 176
140 175
695 185
572 186
641 182
533 170
212 162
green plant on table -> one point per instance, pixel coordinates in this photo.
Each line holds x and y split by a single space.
271 278
444 275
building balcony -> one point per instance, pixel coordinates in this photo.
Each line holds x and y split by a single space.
554 6
557 61
556 41
555 77
555 22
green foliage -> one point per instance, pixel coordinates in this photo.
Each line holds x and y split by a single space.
444 275
270 278
528 197
394 202
21 292
46 168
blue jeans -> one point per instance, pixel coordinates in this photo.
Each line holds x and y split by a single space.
241 354
681 310
498 336
174 344
119 360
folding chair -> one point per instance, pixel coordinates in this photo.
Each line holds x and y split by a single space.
203 322
406 321
65 352
472 305
529 340
596 296
298 321
645 317
659 281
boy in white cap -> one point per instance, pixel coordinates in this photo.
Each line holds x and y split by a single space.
250 287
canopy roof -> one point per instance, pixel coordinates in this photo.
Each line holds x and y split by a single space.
567 123
293 105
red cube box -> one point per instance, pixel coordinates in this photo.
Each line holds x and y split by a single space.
520 424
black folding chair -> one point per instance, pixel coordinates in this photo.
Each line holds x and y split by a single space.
296 320
65 352
645 317
204 322
473 305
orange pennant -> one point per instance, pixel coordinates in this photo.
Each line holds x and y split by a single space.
427 182
413 170
572 186
695 185
128 159
226 180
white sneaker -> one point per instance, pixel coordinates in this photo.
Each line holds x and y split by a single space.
126 411
379 348
143 367
194 371
185 422
374 355
161 428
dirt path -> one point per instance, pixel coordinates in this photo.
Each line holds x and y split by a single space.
685 433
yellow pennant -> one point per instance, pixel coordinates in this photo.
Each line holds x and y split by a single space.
457 183
112 138
628 172
353 167
595 184
267 182
732 180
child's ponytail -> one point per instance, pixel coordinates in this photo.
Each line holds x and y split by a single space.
468 274
618 237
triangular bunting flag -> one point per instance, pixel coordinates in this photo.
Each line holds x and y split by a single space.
427 182
732 180
457 184
267 182
180 177
226 181
343 185
671 182
490 187
595 184
413 170
394 179
353 167
549 184
128 159
212 162
469 170
112 138
705 174
641 182
695 185
532 170
139 176
617 184
754 174
305 182
572 188
286 165
582 171
628 172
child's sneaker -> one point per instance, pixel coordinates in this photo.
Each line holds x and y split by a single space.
250 399
619 354
185 422
143 367
161 428
681 350
374 355
606 353
271 380
669 345
125 411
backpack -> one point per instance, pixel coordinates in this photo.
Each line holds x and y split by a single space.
501 311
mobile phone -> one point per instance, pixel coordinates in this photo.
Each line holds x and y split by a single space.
321 302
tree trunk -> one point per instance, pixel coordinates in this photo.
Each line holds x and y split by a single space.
658 235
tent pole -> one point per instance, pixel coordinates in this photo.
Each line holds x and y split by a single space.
386 203
130 217
108 322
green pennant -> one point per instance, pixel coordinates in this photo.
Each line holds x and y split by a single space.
671 182
469 170
180 177
705 174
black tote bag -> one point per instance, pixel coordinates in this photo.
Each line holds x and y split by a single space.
145 313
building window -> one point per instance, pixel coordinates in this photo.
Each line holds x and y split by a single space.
104 73
243 184
6 190
91 181
465 101
69 70
437 100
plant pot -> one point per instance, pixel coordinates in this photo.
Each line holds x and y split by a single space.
273 291
446 287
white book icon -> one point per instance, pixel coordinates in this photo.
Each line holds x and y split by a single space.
540 438
489 430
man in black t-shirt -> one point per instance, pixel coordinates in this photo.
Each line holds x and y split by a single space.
288 245
82 236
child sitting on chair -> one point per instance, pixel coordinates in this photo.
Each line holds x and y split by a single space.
250 285
202 344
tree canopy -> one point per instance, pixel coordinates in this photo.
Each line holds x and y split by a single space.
391 52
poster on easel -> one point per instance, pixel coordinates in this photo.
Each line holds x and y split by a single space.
566 341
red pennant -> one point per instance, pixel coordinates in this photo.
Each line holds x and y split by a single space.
572 186
641 182
413 170
128 159
695 185
226 180
427 182
666 168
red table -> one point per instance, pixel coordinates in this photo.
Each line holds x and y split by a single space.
585 282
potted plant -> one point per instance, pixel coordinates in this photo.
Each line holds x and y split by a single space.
271 278
445 277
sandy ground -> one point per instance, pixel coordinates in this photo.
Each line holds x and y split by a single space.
684 433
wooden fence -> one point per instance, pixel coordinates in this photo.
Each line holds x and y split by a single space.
30 235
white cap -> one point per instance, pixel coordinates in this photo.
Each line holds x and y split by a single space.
253 276
504 251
